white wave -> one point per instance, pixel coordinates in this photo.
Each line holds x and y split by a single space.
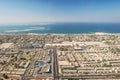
101 33
13 30
30 29
33 34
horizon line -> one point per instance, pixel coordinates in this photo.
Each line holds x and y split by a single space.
46 23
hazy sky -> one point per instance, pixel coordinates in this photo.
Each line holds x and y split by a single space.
35 11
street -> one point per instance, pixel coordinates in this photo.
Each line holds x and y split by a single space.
55 64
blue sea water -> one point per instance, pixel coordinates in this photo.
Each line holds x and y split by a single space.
61 28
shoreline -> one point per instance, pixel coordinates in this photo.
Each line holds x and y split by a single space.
93 33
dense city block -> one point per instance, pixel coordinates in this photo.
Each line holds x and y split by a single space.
60 57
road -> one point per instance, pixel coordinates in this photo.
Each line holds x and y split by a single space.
84 77
55 64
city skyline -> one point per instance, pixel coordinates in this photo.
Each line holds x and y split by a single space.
36 11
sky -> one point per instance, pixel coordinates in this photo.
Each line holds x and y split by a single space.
36 11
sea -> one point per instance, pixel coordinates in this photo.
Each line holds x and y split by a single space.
61 28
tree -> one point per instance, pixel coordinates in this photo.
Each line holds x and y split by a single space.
5 76
15 58
64 49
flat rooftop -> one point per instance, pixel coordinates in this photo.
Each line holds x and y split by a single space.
6 45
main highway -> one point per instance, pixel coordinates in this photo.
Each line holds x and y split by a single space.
55 64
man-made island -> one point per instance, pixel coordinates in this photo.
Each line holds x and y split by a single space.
60 57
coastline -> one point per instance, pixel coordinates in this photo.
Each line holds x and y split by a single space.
93 33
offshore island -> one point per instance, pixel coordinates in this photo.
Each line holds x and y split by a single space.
60 57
